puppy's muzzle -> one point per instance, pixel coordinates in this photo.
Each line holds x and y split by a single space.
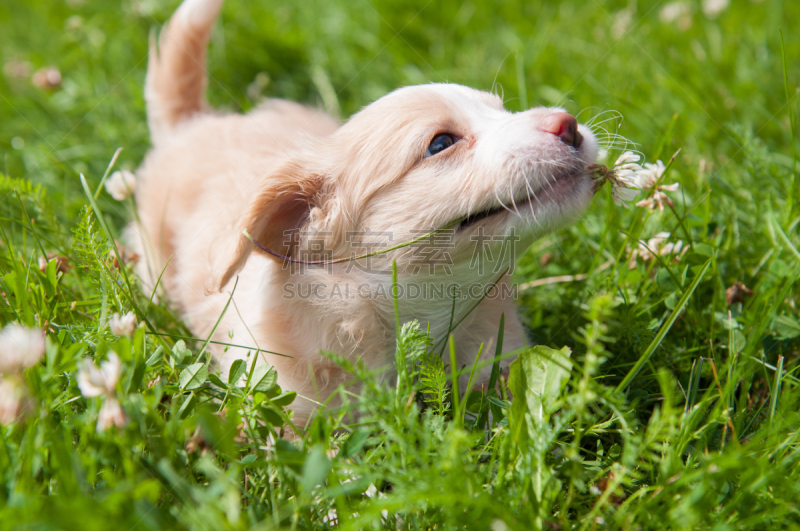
564 126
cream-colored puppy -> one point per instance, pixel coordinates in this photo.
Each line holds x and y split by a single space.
438 156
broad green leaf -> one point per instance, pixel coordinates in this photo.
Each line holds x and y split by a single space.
193 376
536 379
284 400
704 249
264 378
787 327
216 380
728 323
355 442
671 300
694 259
615 450
236 371
218 430
737 341
779 268
134 381
180 352
315 468
665 281
51 279
187 408
122 347
270 415
152 360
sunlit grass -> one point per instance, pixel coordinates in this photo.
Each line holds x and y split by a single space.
679 405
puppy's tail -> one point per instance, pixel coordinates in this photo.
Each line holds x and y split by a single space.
176 72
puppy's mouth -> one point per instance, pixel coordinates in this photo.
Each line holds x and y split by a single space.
556 191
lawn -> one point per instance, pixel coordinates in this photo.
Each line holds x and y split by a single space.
678 410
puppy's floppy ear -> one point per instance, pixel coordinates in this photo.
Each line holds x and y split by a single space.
281 204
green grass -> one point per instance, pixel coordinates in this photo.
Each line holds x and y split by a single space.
678 411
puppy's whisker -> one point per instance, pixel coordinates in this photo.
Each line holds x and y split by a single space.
516 210
530 191
530 201
615 115
595 121
501 203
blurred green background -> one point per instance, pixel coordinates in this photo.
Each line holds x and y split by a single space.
708 77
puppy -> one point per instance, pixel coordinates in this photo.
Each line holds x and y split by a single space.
315 196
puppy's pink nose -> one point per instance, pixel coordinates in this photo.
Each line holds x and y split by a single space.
564 126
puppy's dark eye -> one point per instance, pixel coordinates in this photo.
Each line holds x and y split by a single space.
439 143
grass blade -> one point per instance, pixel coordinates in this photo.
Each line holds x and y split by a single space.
108 170
454 380
497 351
662 333
219 320
129 291
776 389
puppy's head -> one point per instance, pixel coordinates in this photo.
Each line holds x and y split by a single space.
421 158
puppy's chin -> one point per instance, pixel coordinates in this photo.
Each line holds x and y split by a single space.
530 219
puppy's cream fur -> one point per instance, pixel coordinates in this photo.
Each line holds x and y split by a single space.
284 166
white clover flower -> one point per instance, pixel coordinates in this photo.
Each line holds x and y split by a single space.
94 381
628 157
102 381
498 525
623 20
111 414
121 184
11 401
628 177
628 170
122 325
48 77
671 11
656 201
650 174
622 195
20 348
331 518
679 13
713 8
655 243
16 68
658 245
623 176
643 250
